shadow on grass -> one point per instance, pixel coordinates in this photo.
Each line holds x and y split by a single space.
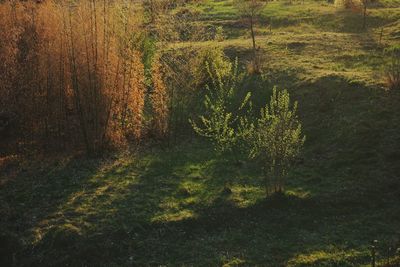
171 207
348 21
34 195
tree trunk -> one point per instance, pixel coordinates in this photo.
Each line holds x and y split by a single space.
365 15
253 37
266 182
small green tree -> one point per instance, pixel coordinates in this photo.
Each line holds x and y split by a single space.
277 139
219 122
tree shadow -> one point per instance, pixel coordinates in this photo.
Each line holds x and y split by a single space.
169 207
348 21
32 197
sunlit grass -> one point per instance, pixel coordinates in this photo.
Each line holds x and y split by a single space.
331 257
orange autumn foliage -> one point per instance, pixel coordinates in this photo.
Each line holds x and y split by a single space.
69 73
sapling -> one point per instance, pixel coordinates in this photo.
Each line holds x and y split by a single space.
219 122
250 11
277 139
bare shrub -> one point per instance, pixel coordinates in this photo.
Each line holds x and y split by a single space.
73 73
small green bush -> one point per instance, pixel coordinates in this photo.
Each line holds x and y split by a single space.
214 58
277 139
221 115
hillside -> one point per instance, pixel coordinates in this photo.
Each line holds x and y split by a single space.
180 204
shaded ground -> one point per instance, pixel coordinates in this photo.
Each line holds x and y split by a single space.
171 206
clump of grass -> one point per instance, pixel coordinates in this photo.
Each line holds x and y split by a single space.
393 68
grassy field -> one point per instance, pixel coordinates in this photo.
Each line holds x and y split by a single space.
182 205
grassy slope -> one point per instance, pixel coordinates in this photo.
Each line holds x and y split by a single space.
169 206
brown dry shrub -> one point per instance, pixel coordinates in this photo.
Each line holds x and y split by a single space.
72 73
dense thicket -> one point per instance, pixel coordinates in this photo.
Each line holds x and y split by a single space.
72 73
98 74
